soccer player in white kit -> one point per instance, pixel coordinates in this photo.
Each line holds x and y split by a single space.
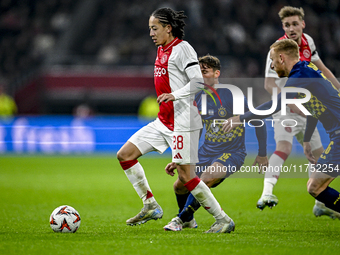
177 77
293 24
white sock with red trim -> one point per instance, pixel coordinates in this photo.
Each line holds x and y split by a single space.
204 196
135 173
273 172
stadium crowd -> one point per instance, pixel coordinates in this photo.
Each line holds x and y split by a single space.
238 32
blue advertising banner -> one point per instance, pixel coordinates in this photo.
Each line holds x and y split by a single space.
100 134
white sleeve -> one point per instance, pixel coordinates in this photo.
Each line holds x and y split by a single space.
196 83
315 55
186 60
268 71
186 55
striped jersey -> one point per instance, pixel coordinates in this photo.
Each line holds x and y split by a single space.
177 71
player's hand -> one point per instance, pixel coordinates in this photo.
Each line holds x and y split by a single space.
262 162
165 97
170 168
231 123
307 149
295 109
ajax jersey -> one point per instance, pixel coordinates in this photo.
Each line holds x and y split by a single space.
307 52
176 65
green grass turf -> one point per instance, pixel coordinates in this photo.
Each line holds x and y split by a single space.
31 187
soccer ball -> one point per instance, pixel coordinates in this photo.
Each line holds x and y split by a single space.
65 219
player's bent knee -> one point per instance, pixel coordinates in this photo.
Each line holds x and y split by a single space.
284 146
313 188
124 155
121 155
285 150
128 152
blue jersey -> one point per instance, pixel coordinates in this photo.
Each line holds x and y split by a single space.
215 138
324 104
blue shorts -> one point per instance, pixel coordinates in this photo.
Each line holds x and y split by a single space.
329 161
231 161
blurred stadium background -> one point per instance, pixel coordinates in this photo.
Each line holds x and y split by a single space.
63 60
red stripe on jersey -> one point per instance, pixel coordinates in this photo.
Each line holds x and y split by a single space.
128 163
162 83
304 49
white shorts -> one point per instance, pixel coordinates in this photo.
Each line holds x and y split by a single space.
157 137
290 125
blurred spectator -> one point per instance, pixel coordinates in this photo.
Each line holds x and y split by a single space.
8 106
28 31
83 111
238 32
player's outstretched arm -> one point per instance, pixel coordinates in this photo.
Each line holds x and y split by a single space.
330 76
261 136
310 127
307 149
269 84
262 162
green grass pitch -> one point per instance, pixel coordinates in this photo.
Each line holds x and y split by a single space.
31 187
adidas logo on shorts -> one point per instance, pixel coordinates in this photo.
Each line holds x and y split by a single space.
178 156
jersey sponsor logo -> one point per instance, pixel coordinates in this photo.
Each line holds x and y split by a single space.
159 71
214 128
306 53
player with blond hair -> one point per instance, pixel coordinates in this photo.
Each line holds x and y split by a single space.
323 104
293 23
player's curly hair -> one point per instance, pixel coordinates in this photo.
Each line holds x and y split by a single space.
168 16
289 11
209 61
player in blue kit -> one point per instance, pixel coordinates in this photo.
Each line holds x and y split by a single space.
324 105
221 154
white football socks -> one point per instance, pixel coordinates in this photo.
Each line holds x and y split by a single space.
136 176
204 196
272 174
